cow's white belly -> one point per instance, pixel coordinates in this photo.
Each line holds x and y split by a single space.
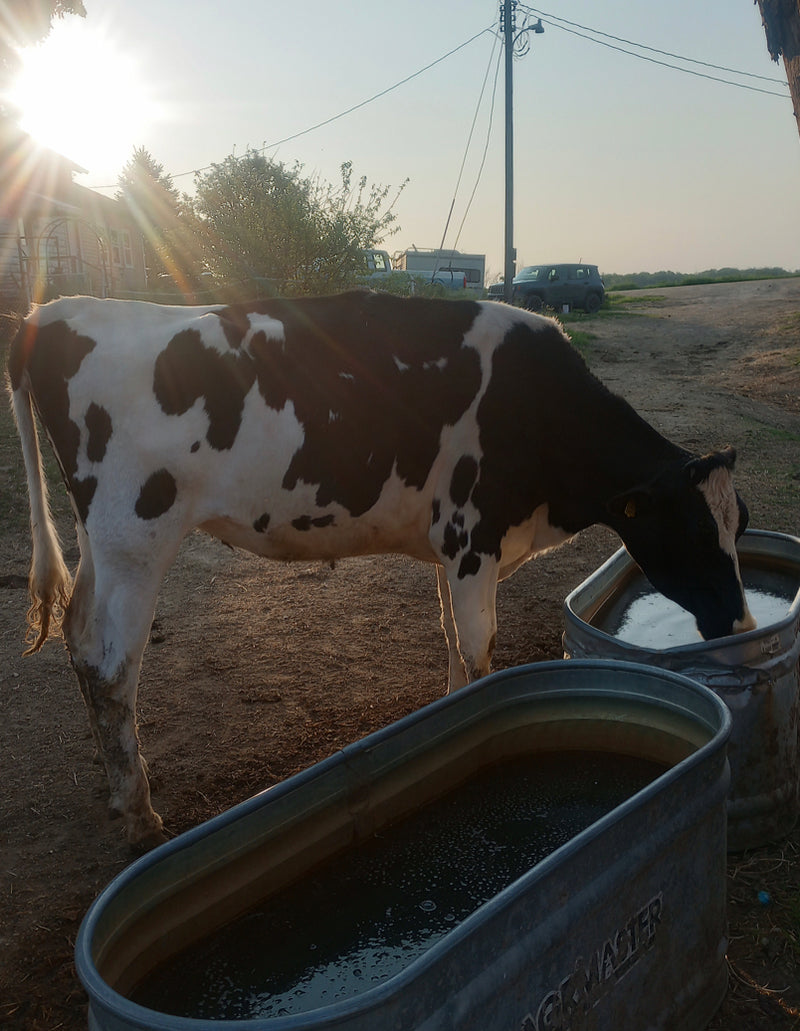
298 530
533 537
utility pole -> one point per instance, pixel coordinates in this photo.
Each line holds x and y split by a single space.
507 14
508 22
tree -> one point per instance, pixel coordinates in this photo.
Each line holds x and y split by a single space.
23 23
154 203
255 219
781 20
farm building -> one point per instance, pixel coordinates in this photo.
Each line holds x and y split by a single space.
57 237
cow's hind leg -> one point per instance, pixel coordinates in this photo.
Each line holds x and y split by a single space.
473 596
106 630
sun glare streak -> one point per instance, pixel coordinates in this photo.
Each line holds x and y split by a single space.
84 95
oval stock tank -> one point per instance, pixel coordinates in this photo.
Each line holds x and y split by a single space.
618 924
616 615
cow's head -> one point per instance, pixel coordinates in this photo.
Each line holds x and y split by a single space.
682 528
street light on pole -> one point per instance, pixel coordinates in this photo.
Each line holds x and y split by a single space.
508 21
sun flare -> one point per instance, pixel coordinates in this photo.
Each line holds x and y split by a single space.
83 95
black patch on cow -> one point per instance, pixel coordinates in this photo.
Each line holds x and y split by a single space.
463 480
307 522
83 492
195 447
469 565
260 525
550 432
393 369
98 423
454 540
436 511
187 370
157 495
235 325
457 518
52 355
450 542
395 372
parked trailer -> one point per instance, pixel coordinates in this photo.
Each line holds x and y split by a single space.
380 267
429 260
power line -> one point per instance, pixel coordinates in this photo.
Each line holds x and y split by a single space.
467 148
654 50
335 118
485 152
554 23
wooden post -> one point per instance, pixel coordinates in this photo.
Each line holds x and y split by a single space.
781 20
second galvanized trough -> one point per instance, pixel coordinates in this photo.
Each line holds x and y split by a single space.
622 926
757 674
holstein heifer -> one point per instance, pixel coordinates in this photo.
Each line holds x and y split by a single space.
467 434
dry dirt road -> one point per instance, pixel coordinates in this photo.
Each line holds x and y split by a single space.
255 671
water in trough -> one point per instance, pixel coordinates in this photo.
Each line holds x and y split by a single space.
366 914
649 620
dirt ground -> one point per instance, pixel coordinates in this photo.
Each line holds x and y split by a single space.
256 670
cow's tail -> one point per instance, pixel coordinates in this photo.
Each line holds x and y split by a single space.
49 582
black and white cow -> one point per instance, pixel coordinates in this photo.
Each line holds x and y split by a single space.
467 434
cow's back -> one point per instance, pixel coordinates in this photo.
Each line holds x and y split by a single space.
282 416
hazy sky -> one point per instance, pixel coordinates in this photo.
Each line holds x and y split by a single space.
619 161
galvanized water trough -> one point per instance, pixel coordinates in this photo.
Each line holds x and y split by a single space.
623 926
756 674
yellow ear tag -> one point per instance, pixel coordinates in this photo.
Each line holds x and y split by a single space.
630 508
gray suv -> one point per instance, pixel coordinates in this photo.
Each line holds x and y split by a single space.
552 286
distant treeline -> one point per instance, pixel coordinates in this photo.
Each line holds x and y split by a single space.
651 280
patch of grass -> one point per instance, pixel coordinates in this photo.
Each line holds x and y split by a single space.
613 306
581 340
776 432
616 302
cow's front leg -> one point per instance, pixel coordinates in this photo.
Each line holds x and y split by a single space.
473 596
456 673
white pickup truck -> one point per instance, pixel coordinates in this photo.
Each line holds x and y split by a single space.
452 279
379 265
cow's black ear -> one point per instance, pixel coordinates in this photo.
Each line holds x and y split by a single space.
699 469
631 503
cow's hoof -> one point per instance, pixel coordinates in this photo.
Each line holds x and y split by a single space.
142 837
